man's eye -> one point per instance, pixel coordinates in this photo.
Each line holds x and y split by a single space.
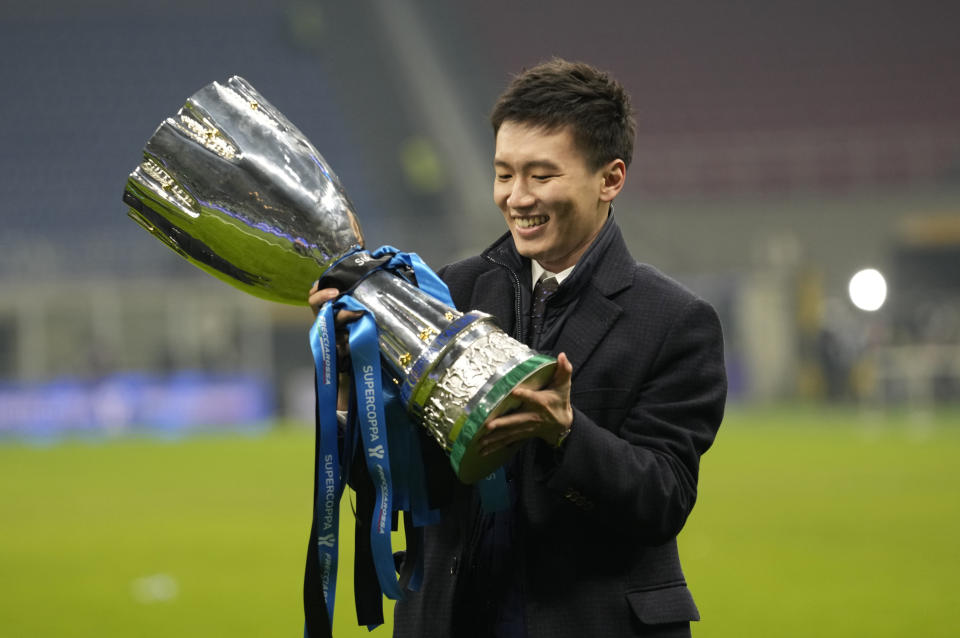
541 178
504 176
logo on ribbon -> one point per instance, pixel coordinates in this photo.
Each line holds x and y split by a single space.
375 452
327 540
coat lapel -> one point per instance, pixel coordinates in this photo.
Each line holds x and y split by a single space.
586 327
596 311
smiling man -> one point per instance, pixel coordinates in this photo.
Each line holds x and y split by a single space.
607 468
608 453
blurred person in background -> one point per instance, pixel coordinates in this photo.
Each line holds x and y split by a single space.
607 468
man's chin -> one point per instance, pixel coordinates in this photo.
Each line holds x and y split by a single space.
526 249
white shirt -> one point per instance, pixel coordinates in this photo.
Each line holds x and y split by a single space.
537 271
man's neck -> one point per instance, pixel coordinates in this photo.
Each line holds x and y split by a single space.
537 269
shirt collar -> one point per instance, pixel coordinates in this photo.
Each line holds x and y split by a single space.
537 271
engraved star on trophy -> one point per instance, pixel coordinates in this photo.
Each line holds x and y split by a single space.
236 189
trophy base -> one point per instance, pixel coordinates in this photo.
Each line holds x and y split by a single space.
469 465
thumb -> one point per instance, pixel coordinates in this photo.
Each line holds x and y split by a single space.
561 379
563 373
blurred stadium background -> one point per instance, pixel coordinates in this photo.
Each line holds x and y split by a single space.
782 147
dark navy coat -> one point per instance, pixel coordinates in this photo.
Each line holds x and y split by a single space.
597 522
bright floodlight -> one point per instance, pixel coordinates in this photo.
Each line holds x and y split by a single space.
868 289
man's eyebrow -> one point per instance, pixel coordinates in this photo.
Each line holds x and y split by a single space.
528 166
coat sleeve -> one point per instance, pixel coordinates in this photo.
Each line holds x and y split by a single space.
640 476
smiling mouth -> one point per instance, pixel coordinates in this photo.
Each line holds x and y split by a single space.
530 222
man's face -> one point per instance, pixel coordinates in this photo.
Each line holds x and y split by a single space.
554 205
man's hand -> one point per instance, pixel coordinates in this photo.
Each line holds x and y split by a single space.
316 299
545 413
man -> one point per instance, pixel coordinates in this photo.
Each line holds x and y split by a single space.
607 471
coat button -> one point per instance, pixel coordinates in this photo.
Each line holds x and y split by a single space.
453 566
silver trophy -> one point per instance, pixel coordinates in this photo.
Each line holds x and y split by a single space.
236 189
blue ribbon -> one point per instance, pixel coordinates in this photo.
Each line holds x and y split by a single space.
365 354
329 477
427 280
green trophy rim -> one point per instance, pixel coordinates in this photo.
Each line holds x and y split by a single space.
537 368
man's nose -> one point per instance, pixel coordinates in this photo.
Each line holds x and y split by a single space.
520 195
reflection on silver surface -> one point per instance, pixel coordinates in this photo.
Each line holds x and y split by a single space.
231 185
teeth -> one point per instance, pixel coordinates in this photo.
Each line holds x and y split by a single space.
530 222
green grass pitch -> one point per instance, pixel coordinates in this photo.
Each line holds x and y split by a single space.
810 522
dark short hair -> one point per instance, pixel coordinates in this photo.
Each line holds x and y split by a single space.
558 93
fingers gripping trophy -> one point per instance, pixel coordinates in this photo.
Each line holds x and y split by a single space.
236 189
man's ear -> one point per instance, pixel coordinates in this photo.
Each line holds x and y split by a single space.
614 175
